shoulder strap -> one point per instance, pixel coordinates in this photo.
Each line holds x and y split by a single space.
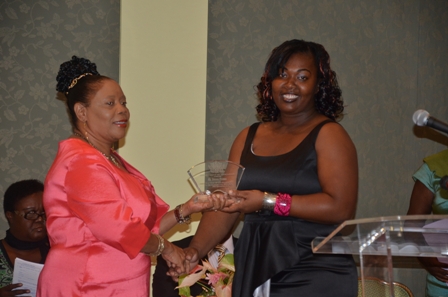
250 136
313 134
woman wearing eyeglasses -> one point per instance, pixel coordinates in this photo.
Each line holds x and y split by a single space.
26 237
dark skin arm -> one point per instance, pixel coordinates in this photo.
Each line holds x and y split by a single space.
421 200
197 203
421 203
209 235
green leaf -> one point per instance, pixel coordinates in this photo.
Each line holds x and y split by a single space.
228 262
184 291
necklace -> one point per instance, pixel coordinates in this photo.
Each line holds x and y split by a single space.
111 157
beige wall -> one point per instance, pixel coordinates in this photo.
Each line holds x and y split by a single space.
163 74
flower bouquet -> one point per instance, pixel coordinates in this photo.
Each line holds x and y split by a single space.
215 282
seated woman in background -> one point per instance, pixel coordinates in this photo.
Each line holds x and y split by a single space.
429 197
26 237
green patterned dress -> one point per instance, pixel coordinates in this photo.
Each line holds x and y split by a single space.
5 267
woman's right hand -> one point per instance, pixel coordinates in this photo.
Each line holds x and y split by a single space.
436 268
11 290
175 258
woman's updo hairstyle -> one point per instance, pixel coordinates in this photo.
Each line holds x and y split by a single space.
328 100
78 80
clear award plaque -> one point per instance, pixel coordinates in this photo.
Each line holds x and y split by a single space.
215 176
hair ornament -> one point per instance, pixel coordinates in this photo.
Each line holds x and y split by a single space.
72 71
76 79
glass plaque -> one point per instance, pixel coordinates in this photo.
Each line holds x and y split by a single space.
215 176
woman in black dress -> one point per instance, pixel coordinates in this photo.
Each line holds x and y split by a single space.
300 182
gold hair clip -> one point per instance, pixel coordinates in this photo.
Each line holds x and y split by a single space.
75 80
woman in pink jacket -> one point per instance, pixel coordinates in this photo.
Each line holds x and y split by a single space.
103 216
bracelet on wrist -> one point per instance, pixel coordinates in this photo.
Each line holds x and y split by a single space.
160 247
269 200
180 218
186 219
283 204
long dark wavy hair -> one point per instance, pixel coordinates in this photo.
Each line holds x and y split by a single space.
328 100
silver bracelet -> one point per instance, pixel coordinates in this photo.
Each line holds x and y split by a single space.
269 200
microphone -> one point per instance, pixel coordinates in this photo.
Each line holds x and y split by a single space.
444 182
422 118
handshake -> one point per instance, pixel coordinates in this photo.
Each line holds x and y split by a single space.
181 261
188 263
219 258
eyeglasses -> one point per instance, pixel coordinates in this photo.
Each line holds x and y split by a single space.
31 215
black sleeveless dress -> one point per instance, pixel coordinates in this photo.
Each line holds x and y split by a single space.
279 248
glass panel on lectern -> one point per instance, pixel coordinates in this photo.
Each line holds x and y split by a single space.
378 243
422 236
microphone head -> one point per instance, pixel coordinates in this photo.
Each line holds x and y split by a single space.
420 117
